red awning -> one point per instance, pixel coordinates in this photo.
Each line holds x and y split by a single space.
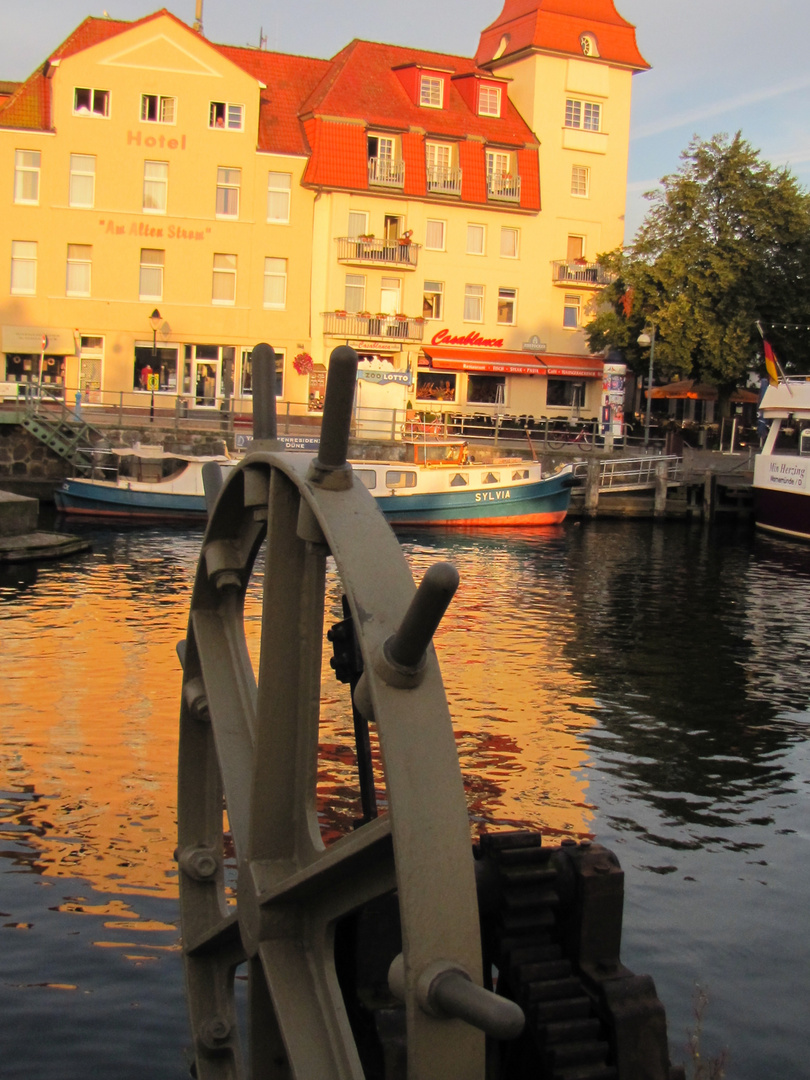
501 362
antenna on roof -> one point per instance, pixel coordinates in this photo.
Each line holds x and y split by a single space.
262 38
198 17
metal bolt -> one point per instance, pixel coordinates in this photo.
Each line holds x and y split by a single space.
214 1032
199 863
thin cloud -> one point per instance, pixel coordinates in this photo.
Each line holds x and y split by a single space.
718 108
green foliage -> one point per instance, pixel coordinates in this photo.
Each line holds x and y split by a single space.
726 242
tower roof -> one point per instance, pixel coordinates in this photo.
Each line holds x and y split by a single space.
558 26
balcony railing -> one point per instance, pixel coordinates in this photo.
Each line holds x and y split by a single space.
359 249
504 187
443 181
579 272
386 173
373 326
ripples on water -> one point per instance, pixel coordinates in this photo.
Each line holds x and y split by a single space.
644 684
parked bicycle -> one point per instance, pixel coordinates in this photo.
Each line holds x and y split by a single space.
564 432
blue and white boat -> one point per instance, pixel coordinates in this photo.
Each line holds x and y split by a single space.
438 484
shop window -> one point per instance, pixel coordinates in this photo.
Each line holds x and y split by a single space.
435 386
156 109
507 307
571 312
79 263
433 300
275 283
150 285
23 267
226 116
279 185
82 188
486 389
161 361
510 242
246 374
476 239
228 184
580 181
434 234
22 367
155 187
26 176
355 292
89 102
565 393
431 90
473 303
224 281
489 101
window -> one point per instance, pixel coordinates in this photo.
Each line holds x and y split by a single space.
433 300
82 188
575 249
400 478
473 303
587 42
156 109
383 167
224 285
355 293
486 389
583 114
160 361
79 259
489 101
247 373
151 277
476 235
500 181
278 196
507 307
441 176
358 223
435 386
565 393
228 181
225 115
580 181
155 186
390 295
275 283
26 176
431 91
510 242
87 102
434 235
571 313
23 267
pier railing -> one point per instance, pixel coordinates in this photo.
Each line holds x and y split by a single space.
629 474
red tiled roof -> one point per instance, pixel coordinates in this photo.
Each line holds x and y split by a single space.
556 26
339 154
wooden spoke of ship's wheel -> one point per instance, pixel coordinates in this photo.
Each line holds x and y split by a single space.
252 744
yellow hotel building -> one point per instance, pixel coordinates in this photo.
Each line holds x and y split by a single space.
169 202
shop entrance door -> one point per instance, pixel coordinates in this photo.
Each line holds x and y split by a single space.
203 375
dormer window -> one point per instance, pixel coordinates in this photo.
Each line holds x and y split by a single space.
489 101
587 42
431 91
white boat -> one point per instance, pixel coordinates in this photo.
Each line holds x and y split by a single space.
782 467
438 483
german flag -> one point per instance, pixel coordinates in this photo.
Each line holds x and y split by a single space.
771 364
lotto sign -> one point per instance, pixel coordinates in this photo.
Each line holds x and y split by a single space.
152 382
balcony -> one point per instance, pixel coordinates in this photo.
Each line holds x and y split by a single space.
344 325
503 187
382 172
590 275
441 181
366 250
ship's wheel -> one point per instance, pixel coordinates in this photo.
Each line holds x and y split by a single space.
248 768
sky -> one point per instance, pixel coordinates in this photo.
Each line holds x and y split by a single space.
717 65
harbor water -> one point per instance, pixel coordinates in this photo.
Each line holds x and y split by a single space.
644 684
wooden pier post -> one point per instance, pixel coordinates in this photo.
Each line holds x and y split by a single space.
592 487
660 505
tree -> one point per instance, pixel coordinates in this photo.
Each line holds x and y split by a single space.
725 243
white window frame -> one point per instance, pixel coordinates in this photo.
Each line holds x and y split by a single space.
583 115
572 303
499 165
23 170
437 291
474 229
508 295
473 294
354 281
232 113
163 105
147 266
510 231
580 172
225 184
154 185
222 272
79 173
489 101
23 264
276 188
79 264
358 219
97 98
431 91
275 270
441 224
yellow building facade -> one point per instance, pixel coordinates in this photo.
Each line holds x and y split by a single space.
169 202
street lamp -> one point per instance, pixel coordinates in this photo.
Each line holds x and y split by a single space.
155 320
648 338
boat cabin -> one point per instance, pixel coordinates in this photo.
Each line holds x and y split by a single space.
436 452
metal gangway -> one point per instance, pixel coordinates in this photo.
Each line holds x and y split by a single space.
634 474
